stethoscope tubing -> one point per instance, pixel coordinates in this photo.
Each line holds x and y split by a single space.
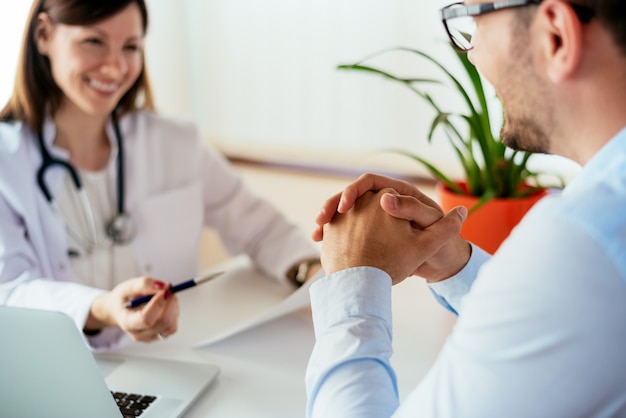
47 161
121 229
120 165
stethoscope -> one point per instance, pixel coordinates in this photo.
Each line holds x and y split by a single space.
122 228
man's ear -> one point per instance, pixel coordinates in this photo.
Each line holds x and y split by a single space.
43 32
562 39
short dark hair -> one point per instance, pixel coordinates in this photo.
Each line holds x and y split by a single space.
34 91
613 14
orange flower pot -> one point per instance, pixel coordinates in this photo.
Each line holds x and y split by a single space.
493 221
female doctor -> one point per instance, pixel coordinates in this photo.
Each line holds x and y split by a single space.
102 200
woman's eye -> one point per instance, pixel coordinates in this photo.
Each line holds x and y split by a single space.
132 48
93 41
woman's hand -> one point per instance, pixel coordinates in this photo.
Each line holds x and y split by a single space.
155 320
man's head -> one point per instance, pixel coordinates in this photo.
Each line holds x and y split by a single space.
546 60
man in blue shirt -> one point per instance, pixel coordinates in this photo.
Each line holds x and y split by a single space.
541 329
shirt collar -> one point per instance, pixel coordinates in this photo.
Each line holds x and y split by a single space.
611 154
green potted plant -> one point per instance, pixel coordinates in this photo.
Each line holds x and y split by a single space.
495 176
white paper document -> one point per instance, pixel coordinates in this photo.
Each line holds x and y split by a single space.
238 300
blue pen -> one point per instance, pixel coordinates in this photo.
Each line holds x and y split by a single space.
176 288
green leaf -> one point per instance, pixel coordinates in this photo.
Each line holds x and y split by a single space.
433 170
490 168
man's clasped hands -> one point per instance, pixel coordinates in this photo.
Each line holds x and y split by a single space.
391 225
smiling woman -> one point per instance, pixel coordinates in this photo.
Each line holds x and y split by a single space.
78 131
96 68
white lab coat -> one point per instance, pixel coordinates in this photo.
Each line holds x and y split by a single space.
175 185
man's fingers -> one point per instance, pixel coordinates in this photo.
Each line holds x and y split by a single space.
447 228
318 233
403 207
328 210
375 183
411 209
366 183
343 201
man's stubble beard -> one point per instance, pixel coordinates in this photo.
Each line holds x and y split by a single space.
528 115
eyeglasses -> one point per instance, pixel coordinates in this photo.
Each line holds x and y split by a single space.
461 29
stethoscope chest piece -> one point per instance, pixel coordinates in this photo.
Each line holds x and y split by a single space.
122 229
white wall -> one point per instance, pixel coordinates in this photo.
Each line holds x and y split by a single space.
262 79
12 20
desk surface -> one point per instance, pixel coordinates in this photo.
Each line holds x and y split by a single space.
262 369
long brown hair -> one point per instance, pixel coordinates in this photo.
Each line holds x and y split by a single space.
35 93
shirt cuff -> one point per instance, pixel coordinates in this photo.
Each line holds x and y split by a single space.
108 339
450 292
348 293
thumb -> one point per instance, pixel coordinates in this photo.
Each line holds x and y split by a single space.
453 220
460 211
155 308
448 227
410 209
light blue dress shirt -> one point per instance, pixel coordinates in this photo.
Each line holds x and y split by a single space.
541 329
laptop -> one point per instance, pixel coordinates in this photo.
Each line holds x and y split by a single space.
47 370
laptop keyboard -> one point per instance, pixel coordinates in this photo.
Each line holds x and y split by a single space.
132 404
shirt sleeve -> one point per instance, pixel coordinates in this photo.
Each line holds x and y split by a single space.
73 299
449 292
349 373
